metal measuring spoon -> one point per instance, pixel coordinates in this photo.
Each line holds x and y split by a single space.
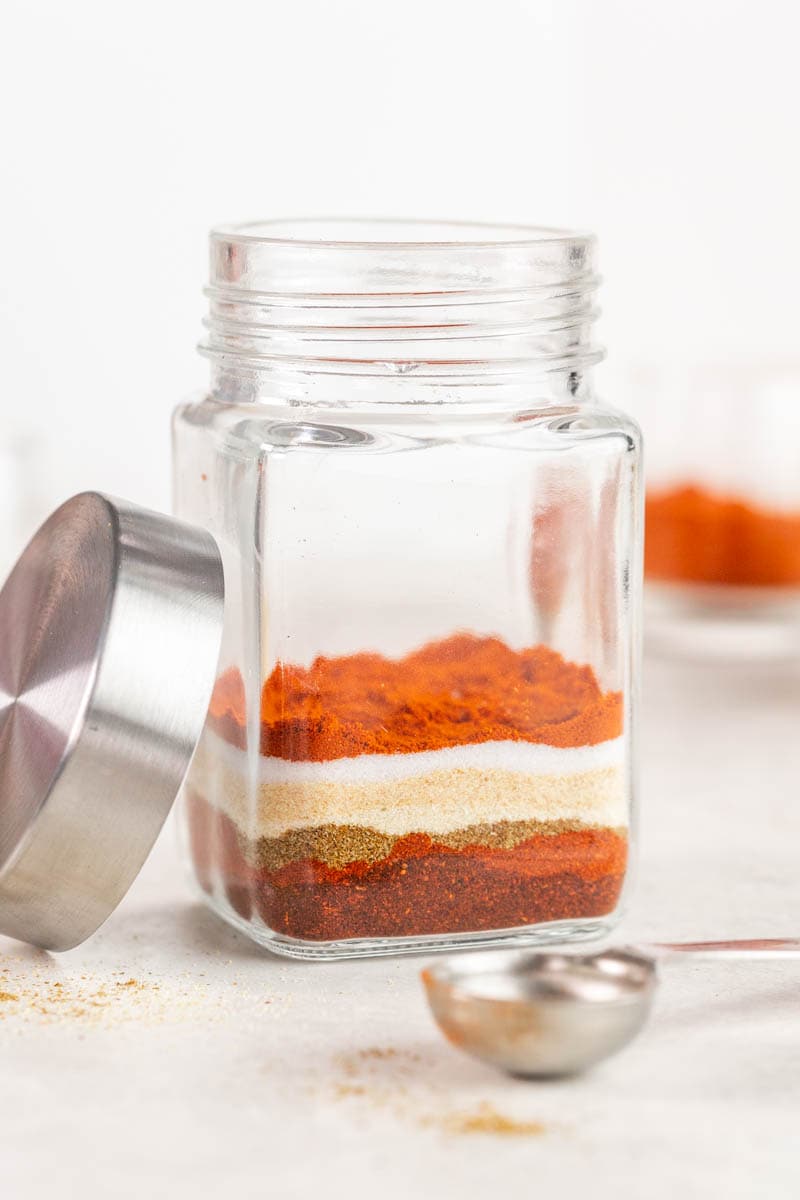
546 1014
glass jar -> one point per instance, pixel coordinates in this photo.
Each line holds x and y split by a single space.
420 736
722 545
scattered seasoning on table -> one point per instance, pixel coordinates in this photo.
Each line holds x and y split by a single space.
387 1080
38 996
695 536
486 1119
38 993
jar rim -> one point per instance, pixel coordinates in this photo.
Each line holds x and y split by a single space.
278 231
292 295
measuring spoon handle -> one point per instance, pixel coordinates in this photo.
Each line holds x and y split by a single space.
740 948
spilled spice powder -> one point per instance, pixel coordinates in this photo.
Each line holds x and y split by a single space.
38 996
695 536
486 1119
36 993
346 1090
389 1080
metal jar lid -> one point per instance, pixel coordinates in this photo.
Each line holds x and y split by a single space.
110 628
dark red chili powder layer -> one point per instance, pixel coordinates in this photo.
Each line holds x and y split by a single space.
456 692
421 888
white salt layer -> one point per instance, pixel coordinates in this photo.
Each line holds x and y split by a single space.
526 758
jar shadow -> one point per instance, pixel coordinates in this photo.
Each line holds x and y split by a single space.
205 931
189 925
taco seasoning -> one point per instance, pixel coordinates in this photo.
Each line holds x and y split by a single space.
420 733
466 786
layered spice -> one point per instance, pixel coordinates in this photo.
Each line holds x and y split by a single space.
466 787
696 536
456 692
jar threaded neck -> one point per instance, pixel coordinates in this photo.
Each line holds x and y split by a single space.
440 303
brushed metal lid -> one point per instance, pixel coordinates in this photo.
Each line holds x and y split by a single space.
110 629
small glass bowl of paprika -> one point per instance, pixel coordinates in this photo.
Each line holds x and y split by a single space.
421 732
722 544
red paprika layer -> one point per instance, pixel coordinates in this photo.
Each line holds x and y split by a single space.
459 691
421 888
694 536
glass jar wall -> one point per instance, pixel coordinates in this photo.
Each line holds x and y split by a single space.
421 732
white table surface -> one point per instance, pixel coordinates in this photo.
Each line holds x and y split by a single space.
226 1072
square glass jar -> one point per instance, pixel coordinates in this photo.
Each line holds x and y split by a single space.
421 733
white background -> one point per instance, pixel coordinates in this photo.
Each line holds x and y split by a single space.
671 129
126 131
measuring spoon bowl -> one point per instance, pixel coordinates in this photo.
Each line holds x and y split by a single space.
541 1015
